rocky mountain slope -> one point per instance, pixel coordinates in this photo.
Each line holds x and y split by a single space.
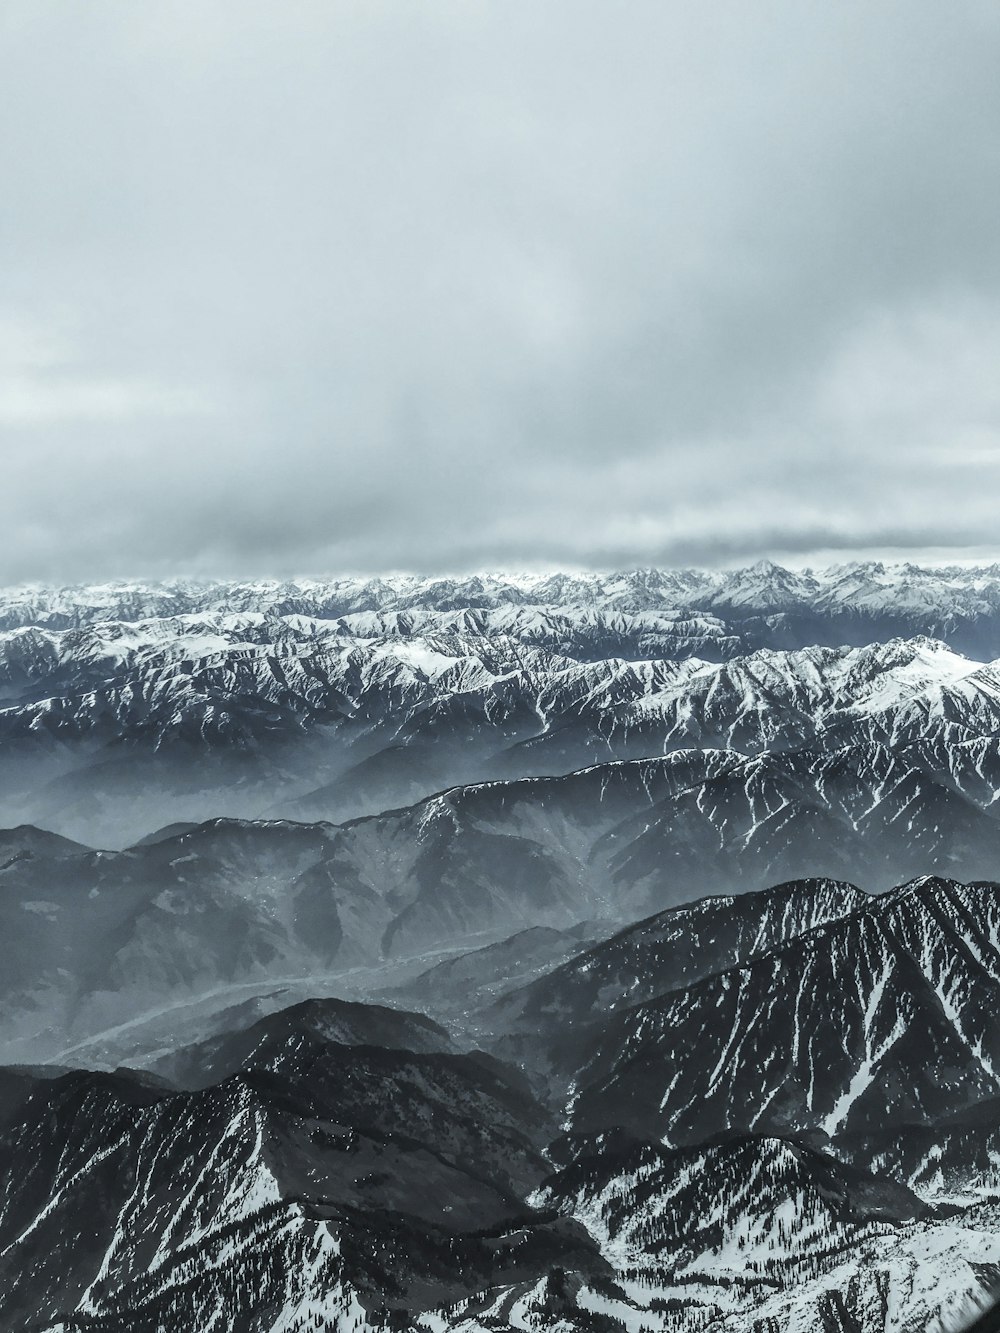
102 939
883 1014
320 1185
762 1233
828 1159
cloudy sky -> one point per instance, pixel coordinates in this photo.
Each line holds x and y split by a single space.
348 285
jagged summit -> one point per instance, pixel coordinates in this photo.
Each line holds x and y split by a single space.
765 584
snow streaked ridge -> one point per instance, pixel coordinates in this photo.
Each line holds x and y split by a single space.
881 1015
328 718
298 1193
744 1229
754 1235
201 1201
169 675
861 585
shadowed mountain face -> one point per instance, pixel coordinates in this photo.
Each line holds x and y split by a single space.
776 1106
883 1014
318 1178
678 896
124 943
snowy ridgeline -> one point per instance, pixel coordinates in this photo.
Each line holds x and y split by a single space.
110 731
871 587
165 677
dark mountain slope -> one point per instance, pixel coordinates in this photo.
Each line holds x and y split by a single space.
98 939
668 952
321 1178
329 1020
335 1173
883 1016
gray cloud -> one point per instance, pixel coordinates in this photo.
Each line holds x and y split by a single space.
374 285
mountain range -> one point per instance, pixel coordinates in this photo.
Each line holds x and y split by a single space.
538 952
265 701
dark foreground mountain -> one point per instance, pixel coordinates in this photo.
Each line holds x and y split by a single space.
319 1185
790 1121
883 1015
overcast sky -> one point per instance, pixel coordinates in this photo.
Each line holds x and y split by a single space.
335 286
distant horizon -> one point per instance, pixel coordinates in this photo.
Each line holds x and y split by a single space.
524 572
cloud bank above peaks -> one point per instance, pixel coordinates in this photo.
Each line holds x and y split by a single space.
370 286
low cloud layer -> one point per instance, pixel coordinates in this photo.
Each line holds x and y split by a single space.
320 287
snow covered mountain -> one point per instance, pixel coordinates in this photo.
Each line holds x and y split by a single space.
958 604
882 1015
337 1166
759 1234
864 1039
320 1186
825 1065
104 735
